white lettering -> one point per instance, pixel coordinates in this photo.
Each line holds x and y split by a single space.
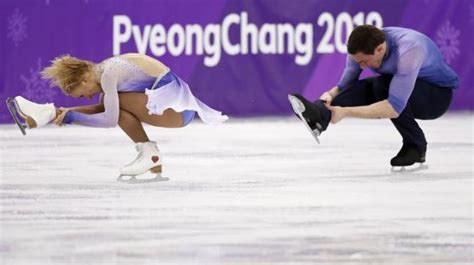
267 32
247 30
157 40
141 40
237 35
231 49
121 37
304 43
212 45
176 40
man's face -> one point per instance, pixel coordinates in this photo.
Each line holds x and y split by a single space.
370 60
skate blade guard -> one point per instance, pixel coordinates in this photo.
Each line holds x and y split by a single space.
135 180
14 112
132 179
409 169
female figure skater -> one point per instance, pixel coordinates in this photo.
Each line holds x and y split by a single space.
133 88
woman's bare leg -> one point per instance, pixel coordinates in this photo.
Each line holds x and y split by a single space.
133 111
132 127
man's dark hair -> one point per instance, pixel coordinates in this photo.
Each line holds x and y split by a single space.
365 39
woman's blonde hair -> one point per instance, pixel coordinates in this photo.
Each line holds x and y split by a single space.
66 72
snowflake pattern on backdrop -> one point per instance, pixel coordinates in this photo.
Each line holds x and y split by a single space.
37 89
17 27
447 38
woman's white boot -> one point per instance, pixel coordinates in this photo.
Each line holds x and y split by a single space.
148 159
34 114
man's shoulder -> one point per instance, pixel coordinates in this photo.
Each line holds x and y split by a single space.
404 38
399 33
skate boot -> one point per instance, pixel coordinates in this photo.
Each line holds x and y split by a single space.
406 157
148 159
315 118
34 115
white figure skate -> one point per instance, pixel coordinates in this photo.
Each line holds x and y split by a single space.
148 159
34 114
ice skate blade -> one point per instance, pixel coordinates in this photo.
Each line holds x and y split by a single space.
134 180
30 123
298 108
12 108
408 169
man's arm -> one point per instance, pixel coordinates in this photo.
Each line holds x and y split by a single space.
401 87
350 75
379 110
329 95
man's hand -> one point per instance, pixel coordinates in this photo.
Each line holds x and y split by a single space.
60 114
329 95
337 113
326 96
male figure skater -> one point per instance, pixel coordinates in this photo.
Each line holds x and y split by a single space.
414 82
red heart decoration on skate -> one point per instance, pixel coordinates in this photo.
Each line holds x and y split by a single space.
155 159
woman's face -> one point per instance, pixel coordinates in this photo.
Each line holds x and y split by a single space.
88 88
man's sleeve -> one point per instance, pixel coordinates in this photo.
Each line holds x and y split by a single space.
350 75
403 82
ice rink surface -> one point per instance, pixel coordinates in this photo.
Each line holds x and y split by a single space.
251 191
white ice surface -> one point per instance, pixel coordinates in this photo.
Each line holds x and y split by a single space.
251 191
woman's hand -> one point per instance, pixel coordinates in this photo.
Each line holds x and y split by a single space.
60 114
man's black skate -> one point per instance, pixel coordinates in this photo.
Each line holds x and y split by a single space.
407 156
309 113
